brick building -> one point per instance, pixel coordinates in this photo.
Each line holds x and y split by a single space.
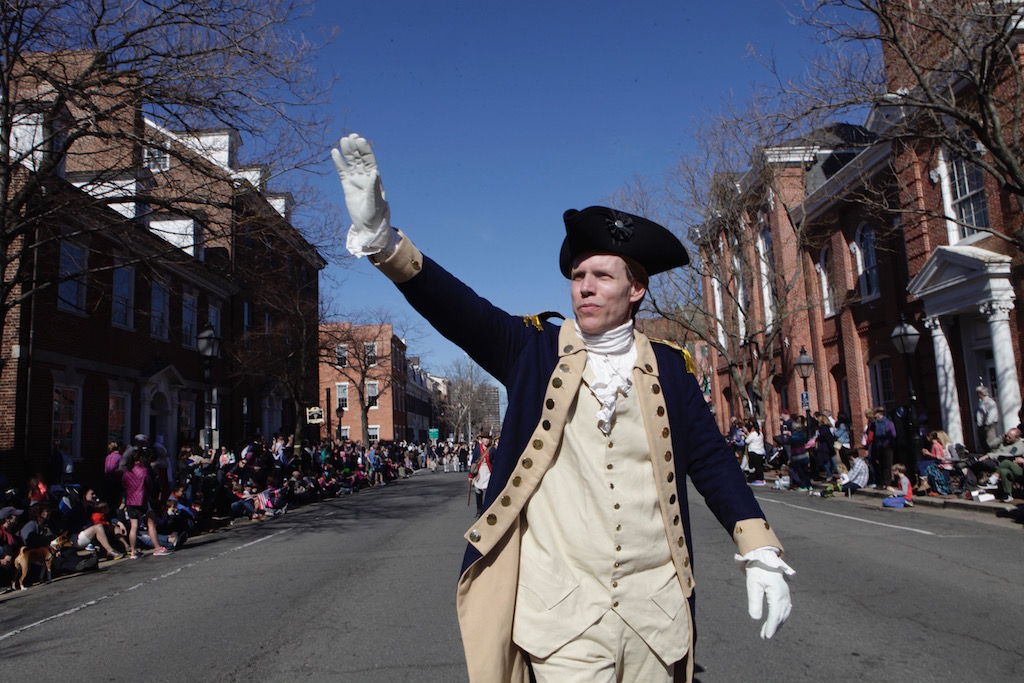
134 241
852 229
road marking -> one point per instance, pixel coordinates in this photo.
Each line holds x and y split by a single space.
178 570
854 519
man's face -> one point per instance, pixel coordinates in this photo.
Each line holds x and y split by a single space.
1011 436
602 294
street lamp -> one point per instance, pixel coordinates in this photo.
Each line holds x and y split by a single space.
804 367
905 337
209 348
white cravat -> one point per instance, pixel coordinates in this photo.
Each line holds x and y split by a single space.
611 355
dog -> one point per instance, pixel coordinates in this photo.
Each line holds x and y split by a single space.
40 556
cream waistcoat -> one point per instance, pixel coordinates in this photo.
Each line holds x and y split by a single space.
594 539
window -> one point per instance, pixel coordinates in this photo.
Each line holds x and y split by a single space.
374 433
370 351
341 355
159 312
343 433
969 204
213 317
342 391
880 372
122 297
867 263
189 320
371 395
828 294
767 258
156 157
65 419
117 418
742 298
716 292
73 263
246 323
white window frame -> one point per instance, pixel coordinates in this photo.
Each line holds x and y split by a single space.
341 391
946 170
189 323
160 311
767 269
126 400
828 302
716 294
880 377
341 355
75 421
865 255
370 353
373 433
122 296
74 262
156 156
345 429
373 395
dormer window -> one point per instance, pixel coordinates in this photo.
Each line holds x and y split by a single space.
156 158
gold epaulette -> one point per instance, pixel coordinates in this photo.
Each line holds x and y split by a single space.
537 321
690 367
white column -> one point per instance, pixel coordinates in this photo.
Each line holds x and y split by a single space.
945 374
998 313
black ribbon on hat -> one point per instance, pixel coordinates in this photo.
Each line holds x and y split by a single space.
620 227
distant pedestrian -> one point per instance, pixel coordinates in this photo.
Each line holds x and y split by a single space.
987 419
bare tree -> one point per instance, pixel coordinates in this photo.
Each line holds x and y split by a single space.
468 386
940 77
103 95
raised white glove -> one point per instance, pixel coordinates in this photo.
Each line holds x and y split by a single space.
766 579
370 232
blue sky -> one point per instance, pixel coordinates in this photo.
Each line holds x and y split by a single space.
490 119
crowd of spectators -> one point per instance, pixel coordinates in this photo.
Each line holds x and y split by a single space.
149 500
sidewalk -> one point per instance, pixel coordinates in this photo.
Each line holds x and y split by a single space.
920 500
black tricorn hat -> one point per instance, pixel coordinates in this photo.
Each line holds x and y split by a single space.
600 230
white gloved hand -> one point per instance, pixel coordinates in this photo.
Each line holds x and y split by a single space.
766 579
371 231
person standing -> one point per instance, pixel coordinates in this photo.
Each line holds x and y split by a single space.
882 443
139 487
987 419
579 567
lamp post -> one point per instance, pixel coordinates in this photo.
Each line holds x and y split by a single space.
905 337
804 367
209 348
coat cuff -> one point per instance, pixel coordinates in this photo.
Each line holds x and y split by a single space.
751 534
404 263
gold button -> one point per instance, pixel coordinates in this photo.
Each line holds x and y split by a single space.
661 411
546 425
611 486
656 389
615 604
550 403
672 499
618 527
517 481
681 542
611 444
610 466
474 536
618 548
506 501
664 433
563 367
668 456
617 506
568 348
416 265
615 584
537 444
689 582
675 521
492 519
686 562
766 525
739 530
648 368
671 477
527 463
617 565
557 383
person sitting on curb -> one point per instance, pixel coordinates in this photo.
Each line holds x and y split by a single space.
1010 467
903 489
858 474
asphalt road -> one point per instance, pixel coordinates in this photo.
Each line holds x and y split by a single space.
361 588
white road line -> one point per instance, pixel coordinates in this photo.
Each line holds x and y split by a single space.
853 519
178 570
